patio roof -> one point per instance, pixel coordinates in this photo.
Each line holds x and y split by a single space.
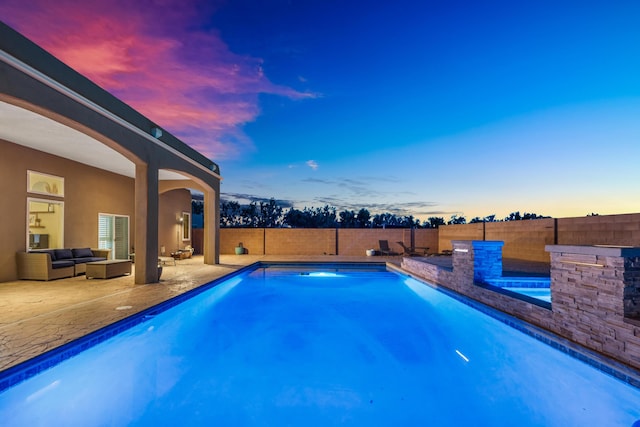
28 128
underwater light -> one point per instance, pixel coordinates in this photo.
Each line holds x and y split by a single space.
321 274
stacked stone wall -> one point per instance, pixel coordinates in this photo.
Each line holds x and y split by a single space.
595 295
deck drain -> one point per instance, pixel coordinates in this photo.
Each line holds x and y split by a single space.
124 307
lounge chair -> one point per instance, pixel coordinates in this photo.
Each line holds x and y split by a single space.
413 251
384 248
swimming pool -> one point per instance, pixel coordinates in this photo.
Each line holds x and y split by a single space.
534 287
330 346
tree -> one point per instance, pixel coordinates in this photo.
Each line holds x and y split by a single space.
324 217
348 219
489 218
515 216
435 222
455 219
230 214
270 214
363 218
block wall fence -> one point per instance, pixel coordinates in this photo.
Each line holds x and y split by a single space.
595 294
525 240
322 241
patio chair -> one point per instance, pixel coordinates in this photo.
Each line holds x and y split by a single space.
384 248
413 251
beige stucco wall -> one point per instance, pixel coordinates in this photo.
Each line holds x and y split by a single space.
88 191
523 239
355 241
300 241
447 233
171 205
600 230
297 241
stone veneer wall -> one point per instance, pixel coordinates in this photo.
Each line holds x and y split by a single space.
595 295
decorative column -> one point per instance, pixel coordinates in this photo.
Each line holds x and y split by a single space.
211 238
146 223
595 294
487 260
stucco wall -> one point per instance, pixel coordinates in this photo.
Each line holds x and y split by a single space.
447 233
300 241
356 241
623 230
170 206
252 240
523 239
88 191
349 242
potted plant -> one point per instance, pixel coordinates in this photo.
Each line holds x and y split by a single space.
239 249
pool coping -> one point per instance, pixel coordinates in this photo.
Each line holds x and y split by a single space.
16 374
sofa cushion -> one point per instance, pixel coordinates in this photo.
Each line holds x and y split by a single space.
51 253
87 259
81 252
63 254
63 263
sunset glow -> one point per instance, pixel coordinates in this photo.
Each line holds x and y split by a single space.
416 108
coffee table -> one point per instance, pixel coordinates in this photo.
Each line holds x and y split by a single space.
108 269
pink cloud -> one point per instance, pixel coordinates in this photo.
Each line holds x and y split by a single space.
188 81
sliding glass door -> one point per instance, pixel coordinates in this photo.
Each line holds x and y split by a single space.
113 233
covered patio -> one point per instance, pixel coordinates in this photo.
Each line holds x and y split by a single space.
93 155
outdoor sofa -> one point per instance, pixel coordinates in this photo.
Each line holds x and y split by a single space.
50 264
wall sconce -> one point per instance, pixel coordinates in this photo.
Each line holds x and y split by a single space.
156 132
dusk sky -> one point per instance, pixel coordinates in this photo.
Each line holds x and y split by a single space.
424 108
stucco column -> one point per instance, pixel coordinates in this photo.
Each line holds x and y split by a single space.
211 236
146 223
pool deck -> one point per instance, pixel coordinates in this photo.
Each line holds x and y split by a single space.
37 316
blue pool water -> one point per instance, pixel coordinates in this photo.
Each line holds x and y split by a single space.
534 287
543 294
292 347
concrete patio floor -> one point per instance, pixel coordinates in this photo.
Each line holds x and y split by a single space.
36 316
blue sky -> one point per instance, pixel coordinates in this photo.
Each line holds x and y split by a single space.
427 108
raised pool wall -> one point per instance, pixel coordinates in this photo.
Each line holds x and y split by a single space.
595 292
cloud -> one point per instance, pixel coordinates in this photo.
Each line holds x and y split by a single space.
312 164
158 57
410 208
244 198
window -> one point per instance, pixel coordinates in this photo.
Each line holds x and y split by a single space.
186 226
45 184
45 223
